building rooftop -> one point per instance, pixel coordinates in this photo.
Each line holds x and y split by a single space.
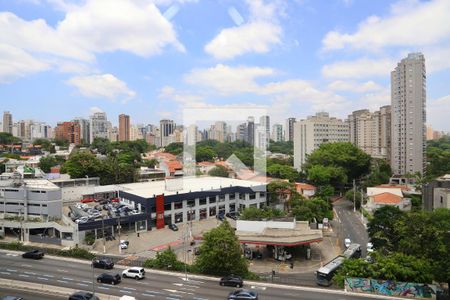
32 184
372 191
387 198
184 185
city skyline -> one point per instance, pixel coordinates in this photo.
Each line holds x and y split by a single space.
298 68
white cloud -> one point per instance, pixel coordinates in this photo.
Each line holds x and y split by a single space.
228 80
102 86
360 68
258 35
409 24
16 63
440 110
355 87
168 92
95 109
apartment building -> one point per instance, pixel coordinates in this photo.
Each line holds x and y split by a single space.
85 134
408 100
124 127
68 131
289 134
7 122
99 126
371 131
166 129
277 133
312 132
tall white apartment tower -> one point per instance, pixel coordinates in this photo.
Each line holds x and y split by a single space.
7 122
408 114
309 134
289 129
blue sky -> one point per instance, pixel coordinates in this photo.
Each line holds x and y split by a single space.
152 58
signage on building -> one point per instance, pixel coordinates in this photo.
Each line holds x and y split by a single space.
160 211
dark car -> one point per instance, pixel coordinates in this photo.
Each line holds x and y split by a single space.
34 254
221 217
243 295
173 227
83 296
103 263
232 280
109 278
231 216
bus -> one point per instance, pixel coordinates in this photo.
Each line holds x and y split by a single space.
325 274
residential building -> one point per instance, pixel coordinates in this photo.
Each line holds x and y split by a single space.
436 193
261 140
241 132
264 122
371 131
24 130
313 132
289 129
7 122
68 131
305 189
166 128
408 99
250 136
85 134
218 131
430 132
40 130
277 133
387 195
124 127
99 126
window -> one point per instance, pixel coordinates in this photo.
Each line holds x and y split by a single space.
232 196
191 203
221 198
178 217
212 211
232 207
178 205
252 196
167 206
212 199
202 201
242 196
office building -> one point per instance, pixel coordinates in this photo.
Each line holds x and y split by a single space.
100 127
7 122
408 100
166 128
124 127
277 133
371 131
289 134
313 132
68 131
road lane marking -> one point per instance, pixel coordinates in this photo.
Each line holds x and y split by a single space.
153 292
30 273
191 280
5 273
62 281
170 298
259 287
125 291
63 271
42 278
85 281
49 276
23 275
103 287
10 254
187 285
147 295
128 288
11 270
67 278
82 284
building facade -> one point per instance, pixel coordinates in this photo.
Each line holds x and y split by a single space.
68 131
277 133
99 126
436 193
289 128
124 127
7 122
408 100
313 132
166 128
85 134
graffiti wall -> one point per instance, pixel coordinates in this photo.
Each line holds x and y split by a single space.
390 288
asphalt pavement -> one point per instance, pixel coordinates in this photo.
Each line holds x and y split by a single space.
79 275
349 225
27 294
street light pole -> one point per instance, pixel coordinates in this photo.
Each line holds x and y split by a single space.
93 277
103 234
354 196
362 201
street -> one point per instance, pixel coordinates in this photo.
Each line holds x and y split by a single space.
56 272
349 225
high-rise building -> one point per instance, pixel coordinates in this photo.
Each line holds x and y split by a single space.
309 134
264 121
7 122
371 131
68 131
100 127
250 131
40 130
289 134
260 137
277 133
430 133
85 133
241 132
166 129
124 127
218 131
408 100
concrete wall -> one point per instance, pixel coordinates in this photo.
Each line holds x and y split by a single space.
259 226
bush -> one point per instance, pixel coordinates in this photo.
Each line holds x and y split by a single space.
89 238
166 260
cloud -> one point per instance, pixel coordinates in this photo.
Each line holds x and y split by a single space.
16 63
95 109
102 86
409 24
355 87
228 80
440 110
168 92
360 68
258 35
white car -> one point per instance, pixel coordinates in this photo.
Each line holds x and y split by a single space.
82 220
369 248
347 242
134 272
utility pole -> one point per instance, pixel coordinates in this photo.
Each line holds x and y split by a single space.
103 235
93 277
362 201
354 196
118 227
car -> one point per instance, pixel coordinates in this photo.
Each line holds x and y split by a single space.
82 220
134 272
231 216
34 254
232 280
87 200
109 278
115 200
103 263
221 217
347 242
173 227
12 298
134 212
370 247
243 295
124 244
81 295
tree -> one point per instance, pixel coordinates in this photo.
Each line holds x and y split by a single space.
8 139
218 171
438 157
382 228
174 148
254 213
338 163
380 172
220 253
205 154
45 145
282 172
149 163
306 210
82 164
46 162
103 145
280 190
351 196
285 147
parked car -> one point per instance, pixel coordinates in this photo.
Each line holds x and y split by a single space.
232 280
82 220
115 200
87 200
103 263
231 216
369 248
173 227
347 242
134 272
12 298
83 296
109 278
243 295
124 244
34 254
221 217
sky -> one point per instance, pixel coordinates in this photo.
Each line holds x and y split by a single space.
154 59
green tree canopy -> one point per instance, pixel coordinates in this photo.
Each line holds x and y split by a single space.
220 253
174 148
283 172
438 157
285 147
45 144
8 139
218 171
382 228
103 145
46 162
82 164
254 213
205 154
380 172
